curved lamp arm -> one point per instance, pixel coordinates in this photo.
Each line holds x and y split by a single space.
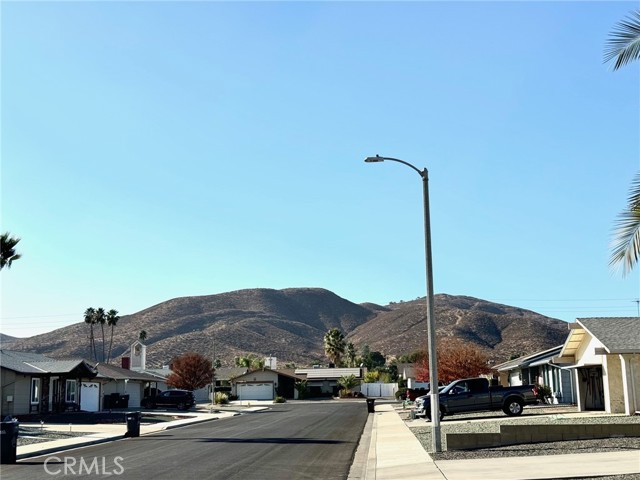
423 173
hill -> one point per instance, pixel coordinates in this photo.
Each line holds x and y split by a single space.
290 324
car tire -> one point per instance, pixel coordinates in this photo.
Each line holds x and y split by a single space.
513 407
428 414
182 406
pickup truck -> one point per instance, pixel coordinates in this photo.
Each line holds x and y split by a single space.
476 395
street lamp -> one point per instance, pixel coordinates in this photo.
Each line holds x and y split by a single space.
436 443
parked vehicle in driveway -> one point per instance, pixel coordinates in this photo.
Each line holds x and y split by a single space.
476 395
180 399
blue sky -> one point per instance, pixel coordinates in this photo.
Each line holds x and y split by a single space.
158 150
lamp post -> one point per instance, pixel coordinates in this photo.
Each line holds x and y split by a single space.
436 443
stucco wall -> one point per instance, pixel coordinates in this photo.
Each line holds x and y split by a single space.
613 385
8 389
586 353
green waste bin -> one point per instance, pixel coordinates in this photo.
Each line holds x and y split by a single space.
9 441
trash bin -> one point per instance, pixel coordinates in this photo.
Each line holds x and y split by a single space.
124 401
9 441
133 424
370 407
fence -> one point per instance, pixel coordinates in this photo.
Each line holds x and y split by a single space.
379 390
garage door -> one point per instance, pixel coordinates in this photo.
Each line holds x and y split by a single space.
134 392
255 391
90 397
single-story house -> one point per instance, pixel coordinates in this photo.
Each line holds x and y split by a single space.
539 369
265 384
117 382
324 381
604 355
35 383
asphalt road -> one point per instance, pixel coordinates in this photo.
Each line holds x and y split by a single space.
315 440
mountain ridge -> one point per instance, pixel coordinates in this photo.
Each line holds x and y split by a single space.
290 324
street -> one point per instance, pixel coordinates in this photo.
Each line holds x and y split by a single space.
292 441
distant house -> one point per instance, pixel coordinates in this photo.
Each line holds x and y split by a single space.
35 383
323 382
117 382
540 369
604 355
265 384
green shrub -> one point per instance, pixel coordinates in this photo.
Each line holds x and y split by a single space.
221 398
279 399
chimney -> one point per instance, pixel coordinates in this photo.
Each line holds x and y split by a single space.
126 362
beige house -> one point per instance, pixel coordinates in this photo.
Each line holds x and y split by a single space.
604 354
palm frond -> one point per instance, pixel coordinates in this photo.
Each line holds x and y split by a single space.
625 251
623 44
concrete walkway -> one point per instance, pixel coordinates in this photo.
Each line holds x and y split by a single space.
388 450
396 453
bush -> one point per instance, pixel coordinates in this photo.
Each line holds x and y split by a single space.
280 399
221 398
401 393
542 391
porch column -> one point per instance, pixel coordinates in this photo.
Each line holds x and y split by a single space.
630 377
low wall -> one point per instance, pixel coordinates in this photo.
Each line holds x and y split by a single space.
519 434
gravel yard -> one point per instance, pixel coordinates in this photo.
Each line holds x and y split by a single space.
489 422
30 435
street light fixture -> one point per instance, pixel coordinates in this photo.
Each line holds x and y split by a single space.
436 443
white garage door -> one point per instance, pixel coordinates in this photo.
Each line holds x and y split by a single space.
134 392
90 396
255 391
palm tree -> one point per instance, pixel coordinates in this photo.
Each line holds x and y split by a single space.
626 243
101 319
348 383
112 321
89 319
624 46
334 345
7 250
351 354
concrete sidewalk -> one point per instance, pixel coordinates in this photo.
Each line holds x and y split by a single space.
394 452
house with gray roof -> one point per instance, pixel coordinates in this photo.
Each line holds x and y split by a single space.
604 354
123 388
539 368
32 383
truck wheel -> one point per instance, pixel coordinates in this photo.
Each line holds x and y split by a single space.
513 407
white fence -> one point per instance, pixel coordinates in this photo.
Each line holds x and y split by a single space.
379 389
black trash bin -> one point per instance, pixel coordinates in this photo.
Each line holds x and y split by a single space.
370 407
124 401
9 441
133 424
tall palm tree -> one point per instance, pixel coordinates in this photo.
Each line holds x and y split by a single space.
90 319
351 354
626 243
624 46
101 319
334 345
8 250
112 321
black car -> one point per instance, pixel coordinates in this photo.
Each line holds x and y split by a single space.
181 399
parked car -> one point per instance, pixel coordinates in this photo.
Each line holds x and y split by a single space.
180 399
475 395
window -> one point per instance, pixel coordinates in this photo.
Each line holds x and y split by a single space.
35 391
70 395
